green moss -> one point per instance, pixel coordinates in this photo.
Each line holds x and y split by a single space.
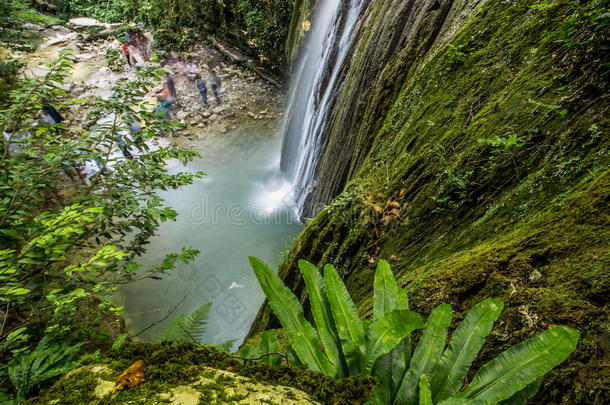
171 365
75 387
527 224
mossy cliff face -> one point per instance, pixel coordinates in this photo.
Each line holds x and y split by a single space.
185 374
470 149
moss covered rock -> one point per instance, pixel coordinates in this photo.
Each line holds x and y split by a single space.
185 374
467 148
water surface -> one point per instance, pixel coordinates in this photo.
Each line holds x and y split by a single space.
241 208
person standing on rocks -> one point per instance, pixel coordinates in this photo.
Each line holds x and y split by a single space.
203 90
216 83
171 86
164 98
126 53
173 95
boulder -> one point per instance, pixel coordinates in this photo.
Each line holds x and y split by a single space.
187 374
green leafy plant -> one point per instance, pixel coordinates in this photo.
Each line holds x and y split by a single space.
507 142
118 342
69 241
191 328
552 107
47 361
345 345
187 327
266 350
435 371
456 56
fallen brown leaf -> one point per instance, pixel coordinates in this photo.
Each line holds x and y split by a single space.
131 377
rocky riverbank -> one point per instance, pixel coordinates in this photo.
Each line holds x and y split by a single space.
247 97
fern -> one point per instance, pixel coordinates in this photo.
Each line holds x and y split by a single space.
226 346
436 371
47 361
119 341
187 328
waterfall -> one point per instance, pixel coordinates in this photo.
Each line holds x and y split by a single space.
313 86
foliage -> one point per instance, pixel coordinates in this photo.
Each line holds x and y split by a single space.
187 327
118 342
455 187
266 25
262 25
114 59
48 360
455 56
191 328
68 242
8 72
263 347
14 35
510 141
339 209
11 24
382 347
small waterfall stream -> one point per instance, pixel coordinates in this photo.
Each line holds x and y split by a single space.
314 84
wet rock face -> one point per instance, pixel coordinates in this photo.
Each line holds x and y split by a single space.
429 103
397 38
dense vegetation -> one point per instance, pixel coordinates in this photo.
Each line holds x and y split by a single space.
67 242
15 36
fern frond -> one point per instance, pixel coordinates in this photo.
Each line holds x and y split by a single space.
47 361
187 327
196 321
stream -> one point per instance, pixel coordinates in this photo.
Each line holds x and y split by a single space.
241 208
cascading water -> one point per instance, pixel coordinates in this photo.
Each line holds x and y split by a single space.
313 86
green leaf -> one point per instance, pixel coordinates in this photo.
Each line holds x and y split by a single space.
464 346
390 367
320 308
521 397
17 291
521 365
463 401
425 395
196 321
119 341
46 361
349 326
270 343
187 327
427 353
385 333
385 290
286 306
